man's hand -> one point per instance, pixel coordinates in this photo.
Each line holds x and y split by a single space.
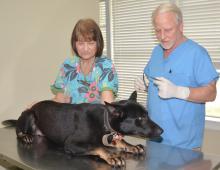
169 90
141 83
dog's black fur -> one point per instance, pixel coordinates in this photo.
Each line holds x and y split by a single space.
80 128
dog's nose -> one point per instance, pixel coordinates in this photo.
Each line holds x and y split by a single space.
156 135
159 130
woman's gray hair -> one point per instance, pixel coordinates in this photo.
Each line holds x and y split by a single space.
168 7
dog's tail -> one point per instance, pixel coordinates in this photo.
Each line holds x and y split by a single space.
9 122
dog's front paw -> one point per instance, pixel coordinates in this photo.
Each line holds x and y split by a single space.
116 162
132 156
137 149
140 149
111 157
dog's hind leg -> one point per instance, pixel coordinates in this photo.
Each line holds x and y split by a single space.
25 126
76 148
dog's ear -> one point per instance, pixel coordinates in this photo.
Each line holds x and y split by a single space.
114 109
133 96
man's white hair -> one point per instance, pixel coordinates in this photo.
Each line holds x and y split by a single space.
168 7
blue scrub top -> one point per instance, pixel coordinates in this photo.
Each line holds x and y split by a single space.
183 121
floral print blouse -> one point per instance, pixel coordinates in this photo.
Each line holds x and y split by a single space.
86 89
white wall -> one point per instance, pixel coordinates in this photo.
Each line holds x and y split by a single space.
34 41
211 142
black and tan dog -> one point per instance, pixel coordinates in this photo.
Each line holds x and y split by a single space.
89 129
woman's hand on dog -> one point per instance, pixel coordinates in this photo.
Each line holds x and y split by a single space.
61 98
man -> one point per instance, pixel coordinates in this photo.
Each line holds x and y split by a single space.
180 79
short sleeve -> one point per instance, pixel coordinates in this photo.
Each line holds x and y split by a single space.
108 79
60 81
204 69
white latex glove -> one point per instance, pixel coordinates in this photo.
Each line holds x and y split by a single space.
169 90
139 83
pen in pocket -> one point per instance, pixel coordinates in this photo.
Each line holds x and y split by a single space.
153 78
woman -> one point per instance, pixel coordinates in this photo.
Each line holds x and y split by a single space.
87 76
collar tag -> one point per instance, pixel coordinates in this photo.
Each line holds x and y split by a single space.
111 139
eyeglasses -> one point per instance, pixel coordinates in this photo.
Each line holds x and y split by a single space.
83 44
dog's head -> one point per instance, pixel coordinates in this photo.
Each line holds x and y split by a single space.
130 118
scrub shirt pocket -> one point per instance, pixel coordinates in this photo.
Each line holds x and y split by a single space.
181 79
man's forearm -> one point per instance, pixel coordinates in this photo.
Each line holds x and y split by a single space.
203 94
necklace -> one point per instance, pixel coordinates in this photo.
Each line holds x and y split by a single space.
86 70
87 67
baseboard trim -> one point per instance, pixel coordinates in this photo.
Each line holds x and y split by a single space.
212 123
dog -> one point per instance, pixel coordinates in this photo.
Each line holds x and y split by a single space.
89 129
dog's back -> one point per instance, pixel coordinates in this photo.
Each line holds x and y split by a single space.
57 121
